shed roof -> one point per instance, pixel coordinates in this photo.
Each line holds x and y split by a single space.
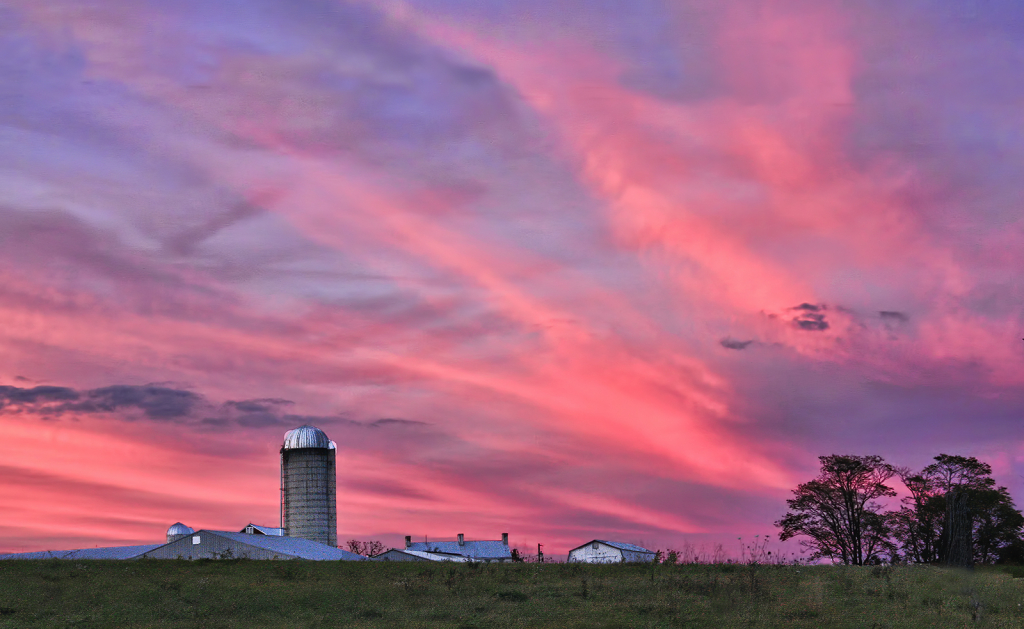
620 545
265 530
295 546
479 549
436 556
389 555
109 552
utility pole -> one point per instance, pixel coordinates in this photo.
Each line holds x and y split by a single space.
540 553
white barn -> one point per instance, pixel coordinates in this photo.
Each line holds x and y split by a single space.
603 551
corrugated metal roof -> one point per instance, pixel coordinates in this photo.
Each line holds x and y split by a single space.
479 549
390 555
295 546
110 552
266 530
437 556
623 546
421 554
307 437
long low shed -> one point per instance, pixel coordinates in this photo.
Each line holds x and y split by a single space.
108 552
205 544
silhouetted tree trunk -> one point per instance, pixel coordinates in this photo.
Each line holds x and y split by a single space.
959 529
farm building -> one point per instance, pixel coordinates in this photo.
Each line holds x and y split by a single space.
309 516
204 544
110 552
255 529
474 550
603 551
418 555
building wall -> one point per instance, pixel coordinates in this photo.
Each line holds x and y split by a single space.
602 554
210 546
309 507
633 556
395 555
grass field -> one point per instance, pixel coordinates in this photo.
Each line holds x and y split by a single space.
240 593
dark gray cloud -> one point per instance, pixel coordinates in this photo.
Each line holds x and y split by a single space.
811 322
162 403
155 401
731 343
810 317
892 315
262 405
35 395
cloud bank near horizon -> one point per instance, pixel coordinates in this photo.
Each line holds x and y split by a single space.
570 269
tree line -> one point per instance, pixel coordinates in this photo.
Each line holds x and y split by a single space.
954 513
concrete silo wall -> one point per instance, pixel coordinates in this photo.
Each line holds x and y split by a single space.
309 504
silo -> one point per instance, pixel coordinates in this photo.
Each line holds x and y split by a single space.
309 506
177 531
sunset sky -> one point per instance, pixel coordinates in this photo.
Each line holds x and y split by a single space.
568 269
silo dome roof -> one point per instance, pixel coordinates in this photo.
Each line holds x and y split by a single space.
180 529
307 437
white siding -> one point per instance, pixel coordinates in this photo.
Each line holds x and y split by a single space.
633 556
602 554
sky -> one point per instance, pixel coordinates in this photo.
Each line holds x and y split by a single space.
566 269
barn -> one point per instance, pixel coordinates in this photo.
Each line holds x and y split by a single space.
604 551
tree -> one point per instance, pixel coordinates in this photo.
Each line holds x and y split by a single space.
955 514
917 526
837 510
369 549
997 525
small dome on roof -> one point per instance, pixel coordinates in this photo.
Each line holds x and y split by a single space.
307 437
179 529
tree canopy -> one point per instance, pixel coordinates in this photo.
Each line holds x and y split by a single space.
839 517
837 511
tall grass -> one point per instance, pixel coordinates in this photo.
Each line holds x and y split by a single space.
242 593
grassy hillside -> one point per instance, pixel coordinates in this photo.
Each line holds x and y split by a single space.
243 593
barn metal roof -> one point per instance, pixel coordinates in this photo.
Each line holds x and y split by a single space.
395 551
480 549
266 530
110 552
623 546
307 437
437 556
295 546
